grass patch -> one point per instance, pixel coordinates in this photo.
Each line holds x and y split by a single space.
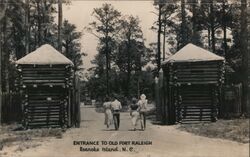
25 138
235 130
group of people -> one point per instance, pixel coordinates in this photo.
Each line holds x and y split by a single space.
137 109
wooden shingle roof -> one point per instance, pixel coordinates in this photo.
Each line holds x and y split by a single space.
44 55
192 53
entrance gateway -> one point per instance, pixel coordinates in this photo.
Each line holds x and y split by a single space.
46 83
193 78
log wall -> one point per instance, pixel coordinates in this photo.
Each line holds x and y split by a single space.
46 97
193 90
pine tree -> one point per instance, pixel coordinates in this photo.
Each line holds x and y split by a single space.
105 28
72 46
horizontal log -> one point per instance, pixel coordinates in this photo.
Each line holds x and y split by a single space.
44 69
202 70
196 98
40 118
44 101
31 85
43 81
45 65
198 82
43 78
56 125
196 109
202 91
43 121
44 114
197 76
197 118
54 97
215 66
40 98
195 121
186 72
48 92
205 109
43 107
37 74
196 106
196 101
196 79
41 111
44 111
197 113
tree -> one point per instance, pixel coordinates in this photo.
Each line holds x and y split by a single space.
131 34
2 14
195 35
183 35
72 45
27 26
159 37
105 28
60 17
244 51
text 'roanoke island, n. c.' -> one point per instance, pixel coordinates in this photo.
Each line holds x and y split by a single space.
110 146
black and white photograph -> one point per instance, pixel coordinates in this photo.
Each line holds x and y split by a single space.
124 78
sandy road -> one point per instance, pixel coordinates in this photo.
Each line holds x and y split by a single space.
167 141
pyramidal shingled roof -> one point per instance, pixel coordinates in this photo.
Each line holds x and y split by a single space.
193 53
46 54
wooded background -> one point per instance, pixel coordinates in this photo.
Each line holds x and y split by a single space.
220 26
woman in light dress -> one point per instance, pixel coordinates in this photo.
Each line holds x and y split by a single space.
108 113
134 113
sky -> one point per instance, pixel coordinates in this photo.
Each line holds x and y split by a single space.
79 13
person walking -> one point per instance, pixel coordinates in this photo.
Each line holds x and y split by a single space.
116 108
134 113
143 102
108 113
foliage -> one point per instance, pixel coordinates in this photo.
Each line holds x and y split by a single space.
105 28
122 53
26 25
72 45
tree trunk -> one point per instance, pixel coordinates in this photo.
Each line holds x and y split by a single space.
209 37
243 48
107 66
224 29
183 32
159 39
129 68
1 32
2 14
60 25
27 27
6 58
195 35
212 25
39 25
164 42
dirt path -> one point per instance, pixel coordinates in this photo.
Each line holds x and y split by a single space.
167 141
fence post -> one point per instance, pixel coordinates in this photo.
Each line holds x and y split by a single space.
157 99
0 107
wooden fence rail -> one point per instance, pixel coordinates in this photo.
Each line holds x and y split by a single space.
11 108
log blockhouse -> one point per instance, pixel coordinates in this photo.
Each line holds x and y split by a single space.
46 83
192 81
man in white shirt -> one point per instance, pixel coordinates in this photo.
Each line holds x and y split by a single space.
116 107
143 108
